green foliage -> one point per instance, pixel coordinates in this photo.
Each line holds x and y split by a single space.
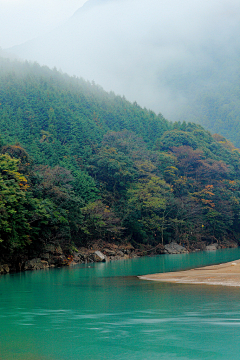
176 138
57 118
93 166
147 203
100 222
17 207
113 169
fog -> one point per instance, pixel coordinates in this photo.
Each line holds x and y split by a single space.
22 20
157 53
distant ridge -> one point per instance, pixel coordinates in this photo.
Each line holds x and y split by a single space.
179 58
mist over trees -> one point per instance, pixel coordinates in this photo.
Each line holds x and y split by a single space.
78 164
177 58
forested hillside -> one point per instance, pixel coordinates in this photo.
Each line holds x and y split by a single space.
185 63
78 164
213 99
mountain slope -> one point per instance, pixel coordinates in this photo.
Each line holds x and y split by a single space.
179 58
53 111
78 164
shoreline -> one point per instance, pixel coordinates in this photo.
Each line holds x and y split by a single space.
54 256
225 274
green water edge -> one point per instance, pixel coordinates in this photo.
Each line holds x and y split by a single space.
103 311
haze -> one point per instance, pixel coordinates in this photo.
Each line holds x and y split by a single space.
22 20
160 53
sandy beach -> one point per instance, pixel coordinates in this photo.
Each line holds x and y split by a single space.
226 274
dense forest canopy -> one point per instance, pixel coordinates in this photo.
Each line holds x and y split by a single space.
79 164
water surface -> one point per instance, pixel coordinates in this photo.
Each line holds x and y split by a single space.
105 312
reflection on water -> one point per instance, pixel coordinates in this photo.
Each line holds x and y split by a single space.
105 312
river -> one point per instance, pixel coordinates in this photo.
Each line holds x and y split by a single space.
104 312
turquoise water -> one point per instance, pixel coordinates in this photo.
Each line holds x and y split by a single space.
105 312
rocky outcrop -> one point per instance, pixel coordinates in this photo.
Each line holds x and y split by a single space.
36 264
4 269
212 247
53 254
108 253
174 248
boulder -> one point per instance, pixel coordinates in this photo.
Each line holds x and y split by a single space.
109 252
79 258
58 260
174 248
35 264
99 257
4 269
76 257
126 251
212 247
120 253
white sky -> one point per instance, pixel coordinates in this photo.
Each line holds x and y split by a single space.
22 20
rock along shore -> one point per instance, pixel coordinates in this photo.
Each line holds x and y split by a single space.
53 255
226 274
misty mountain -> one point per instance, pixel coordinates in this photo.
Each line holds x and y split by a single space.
179 58
78 164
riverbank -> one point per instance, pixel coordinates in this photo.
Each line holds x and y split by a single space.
226 274
54 255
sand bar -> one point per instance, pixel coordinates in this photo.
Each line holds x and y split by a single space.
227 274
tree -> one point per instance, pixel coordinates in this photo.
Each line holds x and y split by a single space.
113 170
100 222
15 226
54 187
176 138
147 203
